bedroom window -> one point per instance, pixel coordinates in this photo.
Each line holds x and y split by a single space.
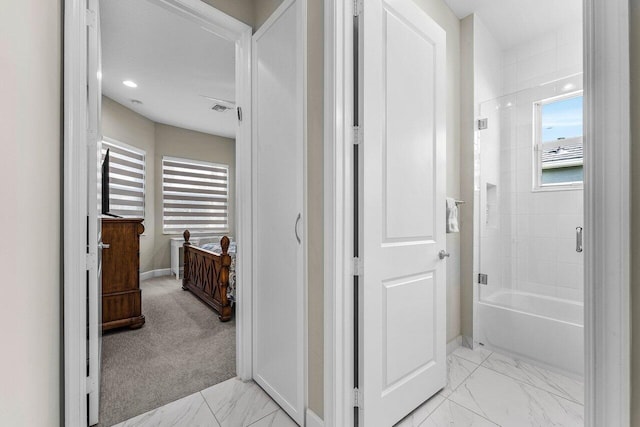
558 143
194 196
126 178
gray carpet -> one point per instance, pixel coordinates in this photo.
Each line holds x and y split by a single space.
182 348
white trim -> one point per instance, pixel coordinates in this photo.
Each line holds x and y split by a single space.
607 213
155 273
75 189
338 213
313 420
75 202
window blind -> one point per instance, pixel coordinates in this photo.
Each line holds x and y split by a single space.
126 179
195 196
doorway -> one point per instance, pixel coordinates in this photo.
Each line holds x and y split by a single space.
126 145
603 77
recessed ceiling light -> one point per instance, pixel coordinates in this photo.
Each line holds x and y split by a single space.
129 83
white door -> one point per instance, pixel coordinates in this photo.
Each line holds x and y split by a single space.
94 225
279 147
402 311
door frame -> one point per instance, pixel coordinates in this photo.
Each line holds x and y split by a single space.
607 212
75 190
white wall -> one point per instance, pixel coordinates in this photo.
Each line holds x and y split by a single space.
125 125
30 259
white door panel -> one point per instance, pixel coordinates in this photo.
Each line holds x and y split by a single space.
94 229
279 202
403 329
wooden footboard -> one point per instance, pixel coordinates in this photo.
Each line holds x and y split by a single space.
207 275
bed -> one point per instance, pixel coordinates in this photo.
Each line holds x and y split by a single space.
209 273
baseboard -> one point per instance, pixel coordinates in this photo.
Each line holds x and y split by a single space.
453 344
467 342
313 420
155 273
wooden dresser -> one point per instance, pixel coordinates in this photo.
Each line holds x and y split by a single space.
121 298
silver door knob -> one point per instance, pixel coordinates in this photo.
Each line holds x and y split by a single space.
443 254
103 245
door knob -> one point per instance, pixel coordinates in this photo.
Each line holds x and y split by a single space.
103 245
443 254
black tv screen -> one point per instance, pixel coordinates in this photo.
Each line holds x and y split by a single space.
105 184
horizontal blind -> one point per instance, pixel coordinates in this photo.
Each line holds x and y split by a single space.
195 196
126 179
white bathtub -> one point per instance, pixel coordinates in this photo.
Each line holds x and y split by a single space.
546 330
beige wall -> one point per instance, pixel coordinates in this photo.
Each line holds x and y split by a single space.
635 211
467 166
440 12
30 259
188 144
263 10
125 125
315 174
242 10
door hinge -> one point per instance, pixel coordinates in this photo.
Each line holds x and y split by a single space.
90 261
91 20
357 135
357 7
91 385
357 266
239 111
483 279
483 124
357 398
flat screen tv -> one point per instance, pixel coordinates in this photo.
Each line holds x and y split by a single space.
105 186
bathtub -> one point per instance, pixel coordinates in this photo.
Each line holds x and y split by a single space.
546 330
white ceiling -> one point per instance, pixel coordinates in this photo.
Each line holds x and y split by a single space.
173 60
516 21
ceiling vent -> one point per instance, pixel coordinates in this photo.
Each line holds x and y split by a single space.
220 108
220 105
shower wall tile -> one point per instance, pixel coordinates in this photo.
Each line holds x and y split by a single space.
536 229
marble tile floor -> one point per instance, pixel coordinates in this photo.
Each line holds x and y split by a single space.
232 403
490 389
484 389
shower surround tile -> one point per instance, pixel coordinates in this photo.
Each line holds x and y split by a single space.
508 402
552 382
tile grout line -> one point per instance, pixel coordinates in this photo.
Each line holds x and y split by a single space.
473 412
270 413
570 399
210 410
533 386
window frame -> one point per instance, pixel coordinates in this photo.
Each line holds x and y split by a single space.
538 168
178 232
139 151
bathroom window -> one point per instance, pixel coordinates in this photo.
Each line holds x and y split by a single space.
558 143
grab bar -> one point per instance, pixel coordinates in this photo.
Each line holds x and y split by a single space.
578 239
